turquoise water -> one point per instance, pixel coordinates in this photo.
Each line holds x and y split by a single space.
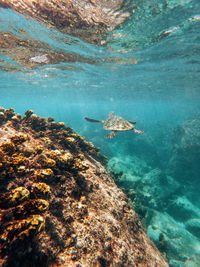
148 71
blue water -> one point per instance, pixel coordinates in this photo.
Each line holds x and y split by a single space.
148 72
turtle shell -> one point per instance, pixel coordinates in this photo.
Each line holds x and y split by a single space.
116 123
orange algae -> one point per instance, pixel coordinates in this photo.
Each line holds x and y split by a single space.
41 190
14 196
26 160
24 228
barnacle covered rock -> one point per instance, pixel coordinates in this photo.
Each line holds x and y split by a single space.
22 170
47 172
25 228
8 147
18 139
9 113
46 161
36 205
1 155
6 114
50 119
2 117
31 206
18 159
36 122
9 156
16 118
71 141
14 197
28 113
64 160
80 165
41 190
56 125
43 174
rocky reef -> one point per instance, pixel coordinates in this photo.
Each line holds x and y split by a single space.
58 205
167 200
87 19
184 162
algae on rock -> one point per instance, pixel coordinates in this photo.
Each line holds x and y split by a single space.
58 203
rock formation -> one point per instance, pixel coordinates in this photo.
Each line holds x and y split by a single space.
58 205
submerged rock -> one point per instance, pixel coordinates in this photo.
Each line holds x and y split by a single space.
164 206
172 237
58 204
181 208
184 162
193 226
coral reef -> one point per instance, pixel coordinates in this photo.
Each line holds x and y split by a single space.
58 205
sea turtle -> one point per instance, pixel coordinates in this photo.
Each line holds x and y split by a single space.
116 124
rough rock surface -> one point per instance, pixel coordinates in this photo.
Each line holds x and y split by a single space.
59 207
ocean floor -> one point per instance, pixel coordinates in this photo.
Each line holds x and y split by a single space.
166 199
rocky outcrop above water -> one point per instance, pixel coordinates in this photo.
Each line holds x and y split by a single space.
59 207
86 19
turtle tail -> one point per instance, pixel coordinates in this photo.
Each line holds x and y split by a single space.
91 120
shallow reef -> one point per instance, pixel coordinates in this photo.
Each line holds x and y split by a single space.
58 205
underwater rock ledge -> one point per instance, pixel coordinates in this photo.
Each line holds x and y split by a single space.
58 205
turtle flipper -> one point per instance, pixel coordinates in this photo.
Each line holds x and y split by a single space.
138 131
110 135
91 120
133 122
